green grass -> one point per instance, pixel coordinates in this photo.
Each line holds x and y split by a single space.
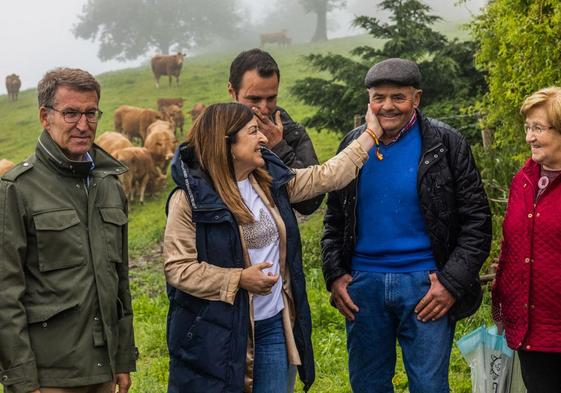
204 79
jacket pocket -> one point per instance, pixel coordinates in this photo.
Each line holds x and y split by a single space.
114 218
54 341
59 240
183 325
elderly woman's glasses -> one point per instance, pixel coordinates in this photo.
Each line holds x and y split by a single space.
535 128
74 116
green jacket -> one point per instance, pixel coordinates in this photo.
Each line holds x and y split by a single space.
65 303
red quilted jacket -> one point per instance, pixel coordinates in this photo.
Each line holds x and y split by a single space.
528 286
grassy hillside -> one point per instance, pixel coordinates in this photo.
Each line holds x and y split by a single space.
204 79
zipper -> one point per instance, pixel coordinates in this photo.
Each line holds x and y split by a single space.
354 214
187 186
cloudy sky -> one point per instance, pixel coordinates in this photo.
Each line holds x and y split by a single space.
35 35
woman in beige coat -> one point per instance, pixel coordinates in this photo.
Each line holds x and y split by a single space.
239 317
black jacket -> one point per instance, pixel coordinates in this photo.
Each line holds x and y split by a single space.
297 151
454 206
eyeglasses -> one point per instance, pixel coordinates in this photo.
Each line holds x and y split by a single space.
536 128
74 116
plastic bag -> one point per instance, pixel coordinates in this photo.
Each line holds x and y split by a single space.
490 360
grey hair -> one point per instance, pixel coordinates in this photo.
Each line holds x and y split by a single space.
73 78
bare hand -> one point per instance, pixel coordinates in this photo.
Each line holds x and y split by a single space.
373 123
340 297
36 391
273 131
436 303
123 380
365 139
255 281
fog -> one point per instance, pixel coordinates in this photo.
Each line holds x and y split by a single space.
36 36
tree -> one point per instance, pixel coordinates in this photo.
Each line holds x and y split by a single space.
450 78
519 49
127 29
321 8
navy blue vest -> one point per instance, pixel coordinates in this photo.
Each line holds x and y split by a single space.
207 340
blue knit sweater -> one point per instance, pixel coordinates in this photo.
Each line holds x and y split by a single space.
391 235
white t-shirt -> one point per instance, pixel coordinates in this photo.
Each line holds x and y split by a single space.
262 239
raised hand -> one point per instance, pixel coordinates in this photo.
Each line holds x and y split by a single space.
272 130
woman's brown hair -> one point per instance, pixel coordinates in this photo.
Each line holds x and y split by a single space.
211 135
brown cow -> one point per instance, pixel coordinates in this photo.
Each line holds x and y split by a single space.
133 121
163 102
13 83
111 141
279 37
5 166
141 172
167 65
161 142
173 112
196 110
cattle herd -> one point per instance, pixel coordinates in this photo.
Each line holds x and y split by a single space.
144 139
154 132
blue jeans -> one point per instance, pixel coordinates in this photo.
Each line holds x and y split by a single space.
386 303
270 368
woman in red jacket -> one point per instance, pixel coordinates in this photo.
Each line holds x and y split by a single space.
527 291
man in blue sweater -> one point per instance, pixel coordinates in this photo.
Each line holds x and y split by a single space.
403 245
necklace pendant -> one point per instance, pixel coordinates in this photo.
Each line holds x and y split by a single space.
379 154
543 182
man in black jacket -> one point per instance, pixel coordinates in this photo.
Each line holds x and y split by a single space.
254 81
403 244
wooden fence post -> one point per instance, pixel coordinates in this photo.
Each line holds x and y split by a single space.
487 138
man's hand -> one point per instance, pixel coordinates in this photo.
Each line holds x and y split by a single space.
272 130
123 380
255 281
436 303
340 297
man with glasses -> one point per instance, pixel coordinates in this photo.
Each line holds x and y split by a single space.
403 244
66 320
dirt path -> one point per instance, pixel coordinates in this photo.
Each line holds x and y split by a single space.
153 255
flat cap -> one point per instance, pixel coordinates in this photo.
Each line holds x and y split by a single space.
397 71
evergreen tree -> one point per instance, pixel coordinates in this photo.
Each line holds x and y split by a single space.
450 79
519 49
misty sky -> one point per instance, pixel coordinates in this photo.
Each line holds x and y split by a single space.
35 35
